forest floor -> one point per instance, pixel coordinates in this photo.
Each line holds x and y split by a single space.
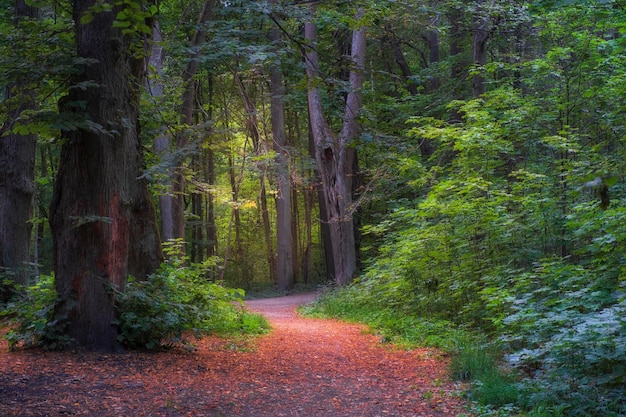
303 368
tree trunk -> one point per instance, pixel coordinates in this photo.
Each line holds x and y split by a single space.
102 220
197 243
178 179
17 175
434 51
284 236
459 66
309 201
335 156
163 142
252 128
208 167
391 40
211 228
235 220
480 34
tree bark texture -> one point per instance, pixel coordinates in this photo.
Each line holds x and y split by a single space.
17 175
102 220
163 142
335 155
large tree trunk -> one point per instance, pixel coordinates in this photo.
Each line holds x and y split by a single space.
102 219
17 174
284 236
335 155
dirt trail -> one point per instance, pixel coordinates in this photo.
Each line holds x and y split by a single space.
303 368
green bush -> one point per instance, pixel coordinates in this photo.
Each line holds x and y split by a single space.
568 335
30 316
162 311
178 301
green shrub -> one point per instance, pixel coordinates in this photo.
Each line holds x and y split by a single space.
178 301
568 335
30 315
175 302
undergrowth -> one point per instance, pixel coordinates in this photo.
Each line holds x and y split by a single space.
171 306
29 316
178 301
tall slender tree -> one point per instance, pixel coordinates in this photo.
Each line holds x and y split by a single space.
284 235
17 173
173 203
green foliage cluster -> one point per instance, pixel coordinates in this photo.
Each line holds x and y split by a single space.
177 302
514 226
170 306
567 330
30 316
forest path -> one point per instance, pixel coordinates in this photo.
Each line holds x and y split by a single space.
303 368
333 368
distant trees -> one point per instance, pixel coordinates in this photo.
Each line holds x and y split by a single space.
285 276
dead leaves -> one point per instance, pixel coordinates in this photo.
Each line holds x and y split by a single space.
308 368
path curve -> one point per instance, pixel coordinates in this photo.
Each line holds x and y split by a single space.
303 368
333 368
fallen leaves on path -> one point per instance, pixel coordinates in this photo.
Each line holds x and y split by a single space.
303 368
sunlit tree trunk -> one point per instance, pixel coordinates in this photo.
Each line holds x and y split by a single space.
208 174
209 221
335 155
252 128
102 219
235 221
17 174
